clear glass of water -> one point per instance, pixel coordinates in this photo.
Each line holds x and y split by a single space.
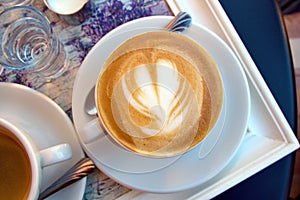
28 43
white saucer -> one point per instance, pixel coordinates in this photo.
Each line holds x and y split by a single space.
47 124
189 170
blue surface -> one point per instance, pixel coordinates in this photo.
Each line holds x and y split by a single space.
259 25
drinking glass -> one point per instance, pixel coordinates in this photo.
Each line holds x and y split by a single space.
28 43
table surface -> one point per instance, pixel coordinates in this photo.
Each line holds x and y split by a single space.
259 25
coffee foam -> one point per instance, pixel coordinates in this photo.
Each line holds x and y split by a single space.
153 100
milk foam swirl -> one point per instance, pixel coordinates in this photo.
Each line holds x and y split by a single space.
156 100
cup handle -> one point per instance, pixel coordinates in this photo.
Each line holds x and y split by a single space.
91 131
55 154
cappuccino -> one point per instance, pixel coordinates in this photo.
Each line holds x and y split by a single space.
159 94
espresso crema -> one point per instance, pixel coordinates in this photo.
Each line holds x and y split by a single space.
155 96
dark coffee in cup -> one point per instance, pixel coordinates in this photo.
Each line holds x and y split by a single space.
15 170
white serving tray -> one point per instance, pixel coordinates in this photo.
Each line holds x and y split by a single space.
270 137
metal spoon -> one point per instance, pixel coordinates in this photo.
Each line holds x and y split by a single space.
89 106
180 23
86 166
81 169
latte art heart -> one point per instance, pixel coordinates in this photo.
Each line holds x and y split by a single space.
156 100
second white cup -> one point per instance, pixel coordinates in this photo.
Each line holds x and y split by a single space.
21 174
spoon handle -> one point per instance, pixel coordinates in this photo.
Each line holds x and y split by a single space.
180 22
81 169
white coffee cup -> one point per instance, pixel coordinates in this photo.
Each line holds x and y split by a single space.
37 158
154 96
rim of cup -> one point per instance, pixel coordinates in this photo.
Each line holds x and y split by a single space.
119 43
